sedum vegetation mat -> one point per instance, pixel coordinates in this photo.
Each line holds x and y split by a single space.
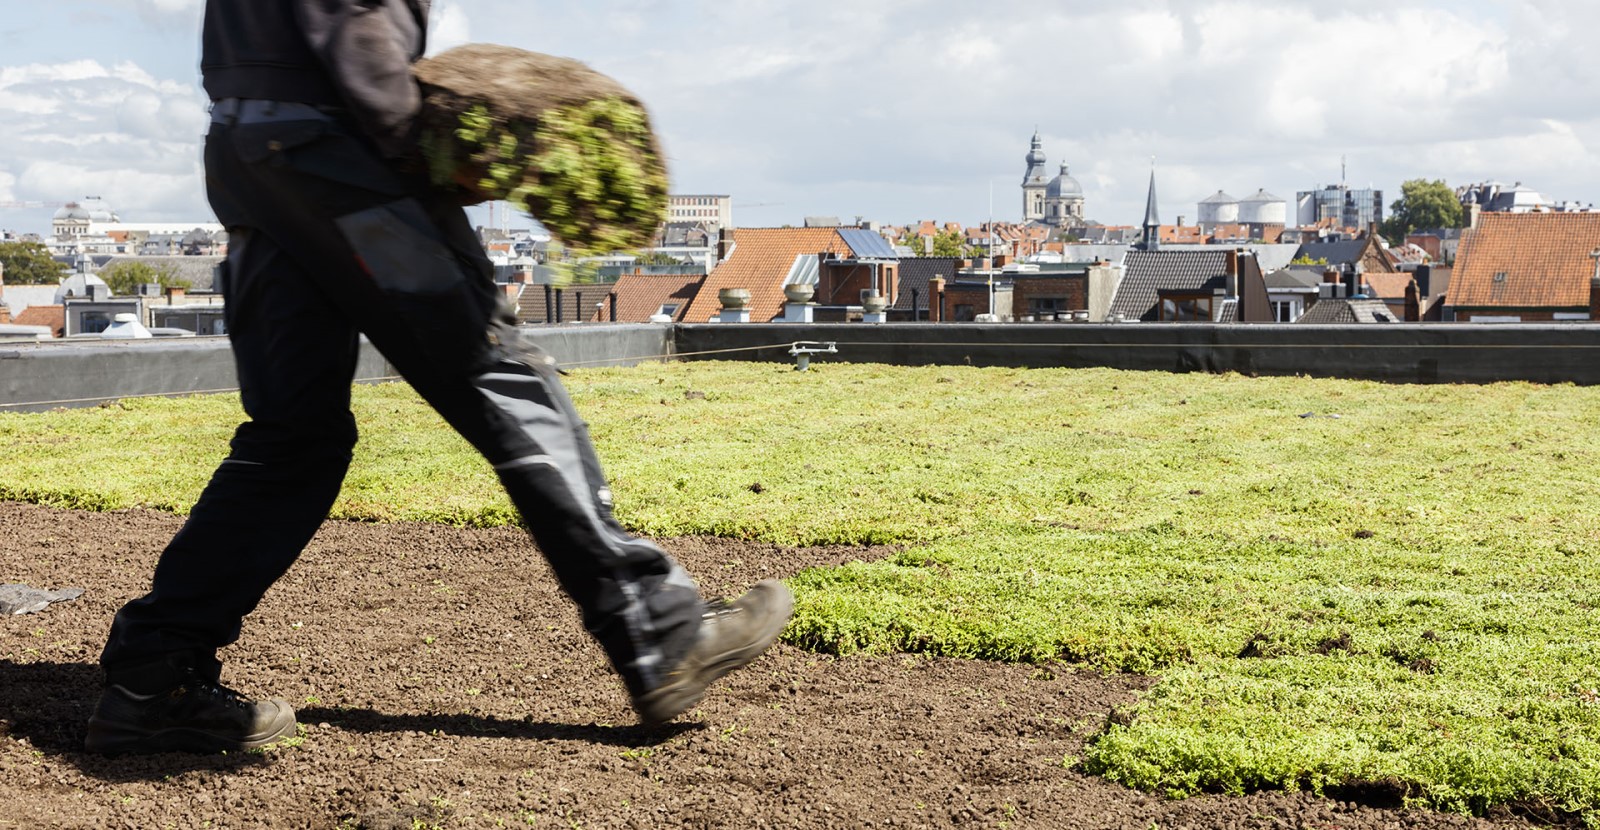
1339 586
551 136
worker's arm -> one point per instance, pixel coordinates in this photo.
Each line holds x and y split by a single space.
367 48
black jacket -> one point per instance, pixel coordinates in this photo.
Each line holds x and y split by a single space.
351 54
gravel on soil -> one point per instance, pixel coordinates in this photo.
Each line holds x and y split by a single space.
442 681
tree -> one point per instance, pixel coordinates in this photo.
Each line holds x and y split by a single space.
29 263
126 277
656 258
1423 205
945 244
1307 259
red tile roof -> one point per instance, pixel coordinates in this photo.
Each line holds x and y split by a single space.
1388 286
54 316
1543 257
641 296
760 261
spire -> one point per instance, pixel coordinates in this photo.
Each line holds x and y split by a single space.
1152 217
1035 159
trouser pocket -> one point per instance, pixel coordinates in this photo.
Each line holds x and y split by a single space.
424 283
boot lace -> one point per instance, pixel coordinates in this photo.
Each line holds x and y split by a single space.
210 690
718 608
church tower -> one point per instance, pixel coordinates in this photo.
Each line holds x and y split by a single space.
1152 217
1034 182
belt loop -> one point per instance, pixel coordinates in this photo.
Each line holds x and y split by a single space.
227 110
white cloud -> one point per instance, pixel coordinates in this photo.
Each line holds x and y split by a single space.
81 127
907 109
448 27
169 6
900 109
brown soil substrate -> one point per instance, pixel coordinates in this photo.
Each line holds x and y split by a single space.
514 84
443 681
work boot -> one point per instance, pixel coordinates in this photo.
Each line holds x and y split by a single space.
731 635
199 715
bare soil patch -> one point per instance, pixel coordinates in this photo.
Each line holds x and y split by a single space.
443 681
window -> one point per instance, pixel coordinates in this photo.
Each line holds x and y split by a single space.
94 322
1286 311
964 313
669 309
1177 308
1041 306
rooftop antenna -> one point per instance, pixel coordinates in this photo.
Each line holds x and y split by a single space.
990 252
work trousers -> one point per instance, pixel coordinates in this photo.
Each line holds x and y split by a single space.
326 242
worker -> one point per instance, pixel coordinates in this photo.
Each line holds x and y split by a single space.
334 231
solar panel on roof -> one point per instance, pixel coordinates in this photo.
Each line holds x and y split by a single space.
867 245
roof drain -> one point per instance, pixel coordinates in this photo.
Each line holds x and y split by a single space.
804 349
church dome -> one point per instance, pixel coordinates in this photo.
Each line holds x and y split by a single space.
76 285
70 211
98 211
1064 187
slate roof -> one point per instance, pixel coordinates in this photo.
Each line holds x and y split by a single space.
1269 255
1147 273
915 272
760 261
1544 257
1295 277
1343 252
1348 311
531 306
640 296
687 235
197 270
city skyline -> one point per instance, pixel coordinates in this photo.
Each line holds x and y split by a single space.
906 110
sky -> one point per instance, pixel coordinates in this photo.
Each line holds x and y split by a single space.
903 110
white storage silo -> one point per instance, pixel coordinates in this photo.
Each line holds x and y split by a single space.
1263 208
1220 209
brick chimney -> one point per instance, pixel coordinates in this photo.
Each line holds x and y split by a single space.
1414 302
1333 285
936 300
524 273
1231 275
174 295
724 243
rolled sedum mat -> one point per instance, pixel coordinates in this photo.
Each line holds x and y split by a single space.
549 135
